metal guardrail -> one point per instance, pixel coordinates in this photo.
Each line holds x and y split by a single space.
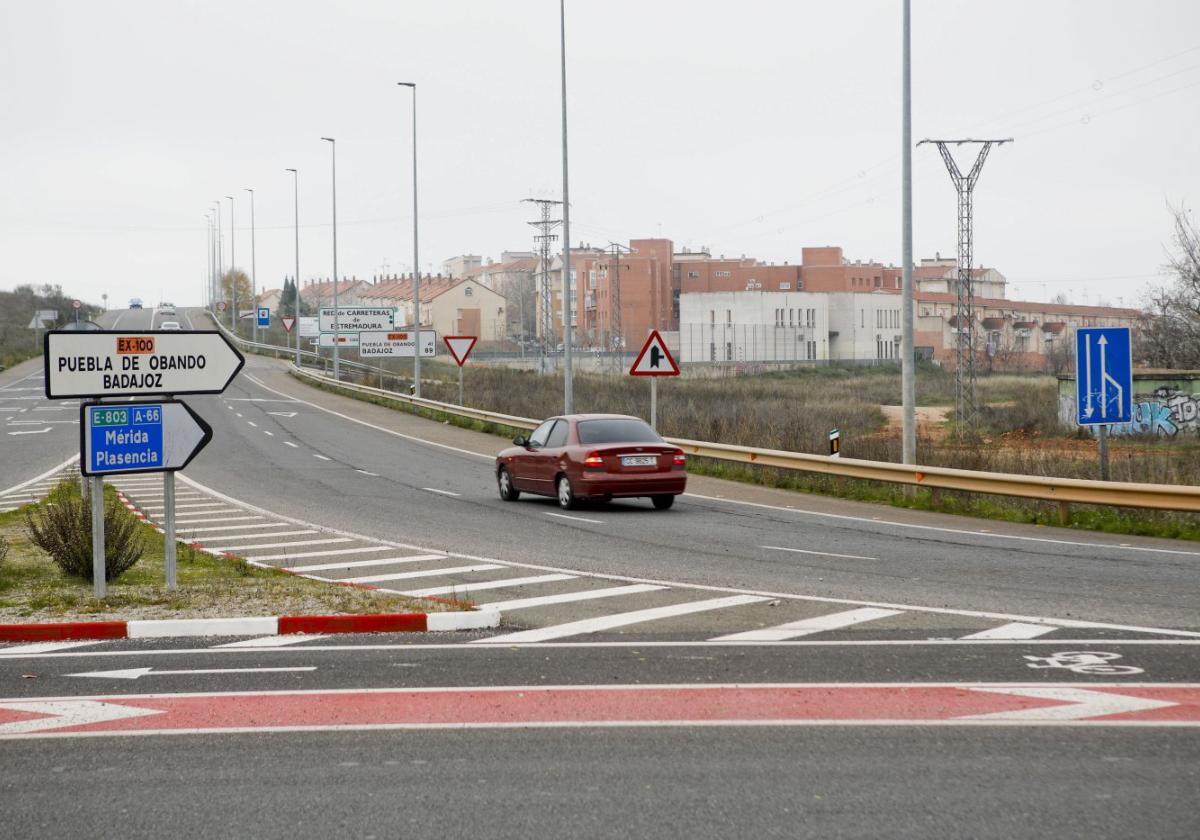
1064 491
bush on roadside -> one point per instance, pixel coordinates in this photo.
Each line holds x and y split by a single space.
62 527
3 548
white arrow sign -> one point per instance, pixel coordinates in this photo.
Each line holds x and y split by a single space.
136 673
67 713
113 363
1077 704
139 437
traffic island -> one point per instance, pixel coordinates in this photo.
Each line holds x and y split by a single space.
38 601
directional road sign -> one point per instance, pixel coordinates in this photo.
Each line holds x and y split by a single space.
460 346
264 316
139 437
655 359
114 363
309 326
1103 376
355 319
346 339
288 322
396 343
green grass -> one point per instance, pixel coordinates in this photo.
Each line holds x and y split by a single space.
33 588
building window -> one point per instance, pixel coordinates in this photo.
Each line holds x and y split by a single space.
721 274
729 351
785 286
712 316
728 316
694 275
468 291
791 317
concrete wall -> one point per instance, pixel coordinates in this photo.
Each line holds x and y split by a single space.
1165 404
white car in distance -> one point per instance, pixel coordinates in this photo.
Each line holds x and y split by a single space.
170 325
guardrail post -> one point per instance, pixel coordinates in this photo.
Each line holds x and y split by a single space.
935 497
1064 513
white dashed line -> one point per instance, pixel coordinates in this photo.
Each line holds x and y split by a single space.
364 472
443 492
322 457
293 445
576 518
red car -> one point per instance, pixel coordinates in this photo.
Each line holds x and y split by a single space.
592 456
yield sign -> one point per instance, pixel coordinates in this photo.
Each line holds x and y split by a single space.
460 346
655 359
288 322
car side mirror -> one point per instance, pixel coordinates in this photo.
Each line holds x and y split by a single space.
520 440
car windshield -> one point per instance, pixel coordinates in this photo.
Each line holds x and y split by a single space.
617 431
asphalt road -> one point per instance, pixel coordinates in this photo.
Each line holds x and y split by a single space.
382 475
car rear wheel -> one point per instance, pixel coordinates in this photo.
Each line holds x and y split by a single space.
566 496
662 502
504 483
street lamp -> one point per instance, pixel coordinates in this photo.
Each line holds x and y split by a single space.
568 373
296 279
416 260
220 258
253 263
336 312
233 316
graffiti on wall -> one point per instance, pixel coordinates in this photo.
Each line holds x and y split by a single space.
1166 412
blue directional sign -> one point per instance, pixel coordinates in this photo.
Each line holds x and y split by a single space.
1103 376
264 316
139 437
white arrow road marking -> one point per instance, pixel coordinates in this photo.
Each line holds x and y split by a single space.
1081 704
32 432
135 673
68 713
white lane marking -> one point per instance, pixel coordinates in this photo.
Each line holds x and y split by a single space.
467 588
273 535
328 553
322 457
576 518
240 527
251 423
442 492
192 520
257 400
282 413
808 626
289 443
795 596
571 597
608 622
454 570
1014 630
350 419
287 544
964 531
67 713
365 472
45 647
818 553
355 564
268 432
238 413
47 408
39 479
218 507
1079 703
32 431
44 422
275 641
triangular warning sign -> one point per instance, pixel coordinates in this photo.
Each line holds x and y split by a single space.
460 346
655 359
288 322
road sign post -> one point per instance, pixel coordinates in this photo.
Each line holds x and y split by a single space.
264 317
99 566
1103 382
460 347
654 360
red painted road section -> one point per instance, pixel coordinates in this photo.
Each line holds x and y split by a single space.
604 705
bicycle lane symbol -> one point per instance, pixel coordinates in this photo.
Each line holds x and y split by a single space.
1084 662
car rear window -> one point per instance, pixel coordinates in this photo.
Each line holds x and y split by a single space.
616 431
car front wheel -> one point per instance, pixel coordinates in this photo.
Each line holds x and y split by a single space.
504 483
566 496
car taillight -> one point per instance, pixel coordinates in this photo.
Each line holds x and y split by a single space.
680 458
593 460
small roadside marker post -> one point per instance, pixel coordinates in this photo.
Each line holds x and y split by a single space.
654 360
835 443
460 346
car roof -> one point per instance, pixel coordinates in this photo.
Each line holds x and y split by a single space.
579 417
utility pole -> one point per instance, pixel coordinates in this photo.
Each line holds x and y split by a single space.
416 254
296 279
965 404
220 259
908 364
568 295
337 313
616 332
544 239
233 313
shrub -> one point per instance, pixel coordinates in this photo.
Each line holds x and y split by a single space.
3 548
62 527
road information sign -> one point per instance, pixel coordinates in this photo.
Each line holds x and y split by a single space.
309 326
346 339
114 363
396 343
355 319
655 359
139 437
460 346
1103 376
264 316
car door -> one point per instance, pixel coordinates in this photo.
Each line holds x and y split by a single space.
525 464
550 455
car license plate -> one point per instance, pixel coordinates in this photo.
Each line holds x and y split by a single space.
639 461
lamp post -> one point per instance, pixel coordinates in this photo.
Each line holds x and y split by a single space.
253 266
336 312
233 314
416 259
908 387
220 258
296 279
568 373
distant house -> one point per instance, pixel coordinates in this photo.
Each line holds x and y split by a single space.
451 307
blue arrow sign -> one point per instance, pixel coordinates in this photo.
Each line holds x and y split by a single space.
139 437
264 316
1103 376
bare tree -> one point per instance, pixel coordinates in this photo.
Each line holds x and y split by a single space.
1170 325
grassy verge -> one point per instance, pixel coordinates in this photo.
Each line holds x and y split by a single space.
32 588
1168 524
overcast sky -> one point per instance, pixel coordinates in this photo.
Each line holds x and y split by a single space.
755 127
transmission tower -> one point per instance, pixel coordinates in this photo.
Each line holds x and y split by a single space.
616 333
965 405
544 240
